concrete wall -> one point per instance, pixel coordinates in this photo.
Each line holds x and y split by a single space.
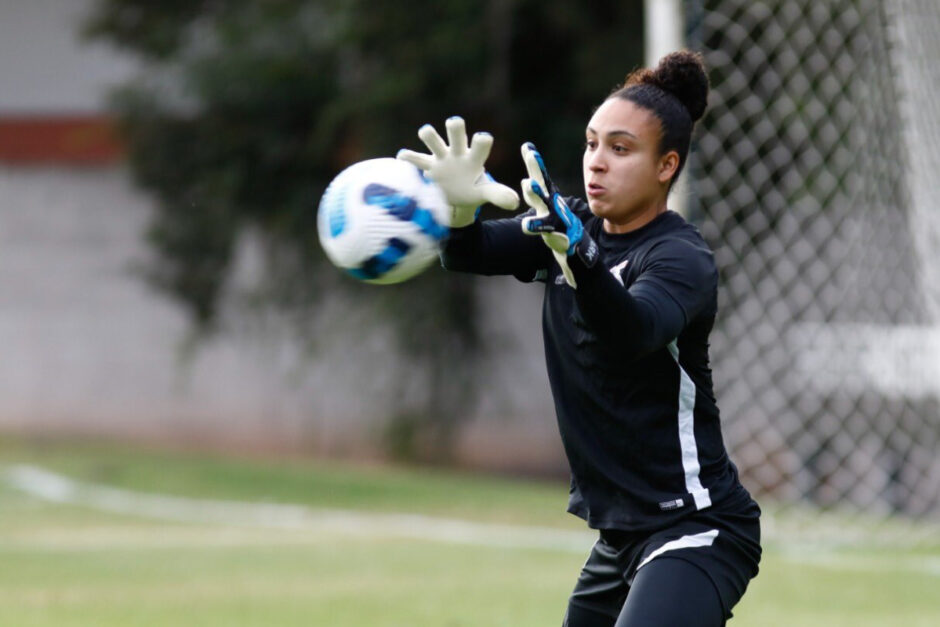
45 67
88 349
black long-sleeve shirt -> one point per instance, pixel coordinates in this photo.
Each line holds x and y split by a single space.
627 357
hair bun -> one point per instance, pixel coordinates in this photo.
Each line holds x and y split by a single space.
683 75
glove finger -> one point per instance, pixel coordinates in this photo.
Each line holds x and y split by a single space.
528 227
536 225
535 160
433 141
537 189
531 159
416 159
561 210
480 147
500 195
533 199
456 135
540 161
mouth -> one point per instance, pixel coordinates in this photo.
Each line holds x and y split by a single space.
594 190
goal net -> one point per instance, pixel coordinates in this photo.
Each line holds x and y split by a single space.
814 177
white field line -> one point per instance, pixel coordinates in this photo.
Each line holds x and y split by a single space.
56 488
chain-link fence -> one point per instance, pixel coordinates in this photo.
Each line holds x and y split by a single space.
814 182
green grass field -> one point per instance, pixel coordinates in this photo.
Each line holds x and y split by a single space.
71 564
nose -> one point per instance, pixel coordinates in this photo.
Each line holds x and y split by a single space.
594 160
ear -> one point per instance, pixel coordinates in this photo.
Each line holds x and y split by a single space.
668 164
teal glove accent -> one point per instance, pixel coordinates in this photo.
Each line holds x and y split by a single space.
559 220
552 219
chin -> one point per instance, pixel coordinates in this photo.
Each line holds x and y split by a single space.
599 208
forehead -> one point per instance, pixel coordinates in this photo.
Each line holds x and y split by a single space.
617 114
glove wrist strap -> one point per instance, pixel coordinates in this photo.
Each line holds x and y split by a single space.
587 251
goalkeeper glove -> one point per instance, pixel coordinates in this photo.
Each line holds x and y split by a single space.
458 171
560 228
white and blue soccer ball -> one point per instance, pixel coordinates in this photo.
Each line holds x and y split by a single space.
382 221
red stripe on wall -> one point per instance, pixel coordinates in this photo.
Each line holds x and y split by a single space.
80 140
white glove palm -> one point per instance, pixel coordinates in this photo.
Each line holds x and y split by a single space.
458 170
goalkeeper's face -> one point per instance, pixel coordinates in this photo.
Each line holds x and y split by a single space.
626 180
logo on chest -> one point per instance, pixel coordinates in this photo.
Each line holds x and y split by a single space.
617 270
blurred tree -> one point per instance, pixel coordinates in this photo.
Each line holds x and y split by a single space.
246 110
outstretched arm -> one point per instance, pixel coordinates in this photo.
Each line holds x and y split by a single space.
495 247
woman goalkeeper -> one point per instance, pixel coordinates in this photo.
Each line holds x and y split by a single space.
630 300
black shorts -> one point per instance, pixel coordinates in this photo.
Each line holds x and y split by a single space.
724 545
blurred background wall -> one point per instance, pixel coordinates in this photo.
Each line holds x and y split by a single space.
90 349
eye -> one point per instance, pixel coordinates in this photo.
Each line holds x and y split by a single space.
590 144
620 148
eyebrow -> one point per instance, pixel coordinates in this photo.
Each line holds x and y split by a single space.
615 133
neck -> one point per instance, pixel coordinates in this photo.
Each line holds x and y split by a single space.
637 220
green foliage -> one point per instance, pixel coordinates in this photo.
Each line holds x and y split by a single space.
246 110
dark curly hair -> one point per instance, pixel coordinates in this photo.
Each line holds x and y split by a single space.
676 92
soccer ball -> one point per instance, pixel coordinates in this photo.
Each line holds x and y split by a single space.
382 221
